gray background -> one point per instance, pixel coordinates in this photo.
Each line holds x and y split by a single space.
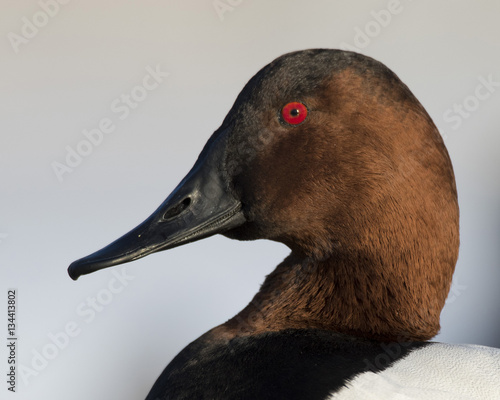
64 80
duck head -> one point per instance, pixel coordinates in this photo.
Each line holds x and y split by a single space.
328 152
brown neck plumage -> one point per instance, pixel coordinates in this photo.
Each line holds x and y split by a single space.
357 297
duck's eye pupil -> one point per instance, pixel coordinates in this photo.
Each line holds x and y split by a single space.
294 113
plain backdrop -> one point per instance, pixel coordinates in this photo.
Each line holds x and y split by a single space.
65 68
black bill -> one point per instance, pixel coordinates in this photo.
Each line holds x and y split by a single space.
202 205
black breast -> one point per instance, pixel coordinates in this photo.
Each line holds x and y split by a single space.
292 365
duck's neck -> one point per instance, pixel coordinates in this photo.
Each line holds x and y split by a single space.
356 297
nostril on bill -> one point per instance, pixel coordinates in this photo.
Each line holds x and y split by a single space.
174 211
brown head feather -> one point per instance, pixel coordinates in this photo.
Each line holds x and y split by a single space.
363 192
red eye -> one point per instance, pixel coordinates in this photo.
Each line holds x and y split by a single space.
294 113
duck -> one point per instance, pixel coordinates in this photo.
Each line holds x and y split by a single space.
328 152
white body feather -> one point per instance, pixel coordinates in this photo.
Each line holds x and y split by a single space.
436 372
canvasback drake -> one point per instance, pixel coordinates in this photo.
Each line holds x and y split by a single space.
328 152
